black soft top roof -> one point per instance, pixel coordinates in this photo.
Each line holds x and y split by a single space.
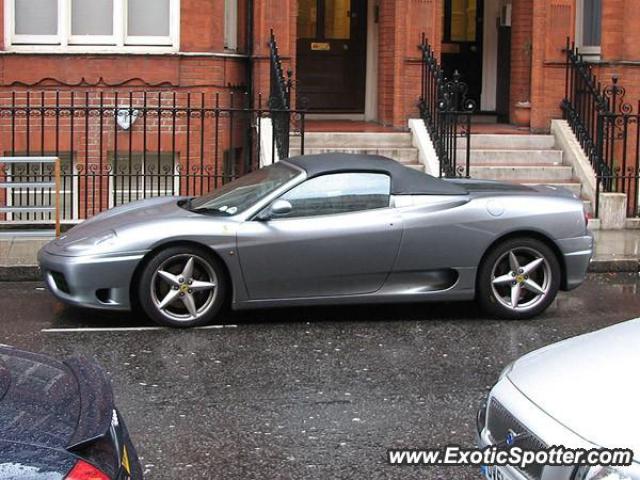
404 180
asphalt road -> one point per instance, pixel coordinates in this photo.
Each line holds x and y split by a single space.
305 393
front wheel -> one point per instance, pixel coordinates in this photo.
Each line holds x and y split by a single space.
518 279
182 287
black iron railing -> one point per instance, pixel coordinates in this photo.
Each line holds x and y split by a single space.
446 111
279 99
607 128
118 147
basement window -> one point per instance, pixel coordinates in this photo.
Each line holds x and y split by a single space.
67 25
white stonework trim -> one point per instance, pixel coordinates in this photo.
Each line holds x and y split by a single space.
371 89
490 56
266 142
575 156
422 141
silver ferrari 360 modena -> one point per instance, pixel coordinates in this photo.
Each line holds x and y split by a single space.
326 229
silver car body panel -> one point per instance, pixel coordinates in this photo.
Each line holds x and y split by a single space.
579 393
423 247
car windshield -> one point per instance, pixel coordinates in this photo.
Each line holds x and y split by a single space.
239 195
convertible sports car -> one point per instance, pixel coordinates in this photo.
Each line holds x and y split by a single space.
58 421
326 229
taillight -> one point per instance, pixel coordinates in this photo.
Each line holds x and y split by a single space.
85 471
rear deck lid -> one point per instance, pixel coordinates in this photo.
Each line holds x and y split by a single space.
50 403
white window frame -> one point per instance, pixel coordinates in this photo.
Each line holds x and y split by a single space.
231 25
73 193
140 192
590 51
119 42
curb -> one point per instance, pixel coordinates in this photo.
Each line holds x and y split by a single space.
628 265
31 273
25 273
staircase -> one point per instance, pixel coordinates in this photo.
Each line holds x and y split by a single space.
524 159
395 145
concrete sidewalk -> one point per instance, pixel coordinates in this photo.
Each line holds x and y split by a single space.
616 251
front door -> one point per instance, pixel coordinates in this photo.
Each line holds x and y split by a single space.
331 55
462 43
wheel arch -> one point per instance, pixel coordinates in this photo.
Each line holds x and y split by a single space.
548 241
133 297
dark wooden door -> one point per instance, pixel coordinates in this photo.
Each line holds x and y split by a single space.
331 55
462 42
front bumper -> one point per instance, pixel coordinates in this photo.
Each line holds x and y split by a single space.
101 282
537 422
577 253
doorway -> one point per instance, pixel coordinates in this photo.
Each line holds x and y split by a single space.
332 55
462 42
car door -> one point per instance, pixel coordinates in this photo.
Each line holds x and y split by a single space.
340 238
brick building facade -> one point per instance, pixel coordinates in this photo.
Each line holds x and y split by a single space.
349 59
509 51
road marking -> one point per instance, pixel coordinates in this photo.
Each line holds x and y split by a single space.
127 329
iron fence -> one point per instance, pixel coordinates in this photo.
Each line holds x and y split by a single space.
117 147
607 128
447 112
280 99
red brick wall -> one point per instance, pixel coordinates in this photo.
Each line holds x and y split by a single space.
521 38
202 31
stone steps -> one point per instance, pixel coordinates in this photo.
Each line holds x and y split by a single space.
353 140
512 157
522 173
405 155
509 142
523 159
395 145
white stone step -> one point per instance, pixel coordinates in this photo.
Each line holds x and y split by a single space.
399 154
354 139
415 166
573 186
522 173
487 141
513 157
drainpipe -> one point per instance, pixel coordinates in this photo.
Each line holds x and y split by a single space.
249 30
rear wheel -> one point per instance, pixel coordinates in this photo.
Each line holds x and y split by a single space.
518 279
182 287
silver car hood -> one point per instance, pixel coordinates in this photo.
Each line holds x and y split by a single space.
139 226
589 384
134 212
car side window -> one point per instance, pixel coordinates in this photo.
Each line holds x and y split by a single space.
339 193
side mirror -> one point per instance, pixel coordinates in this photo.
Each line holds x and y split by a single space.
277 208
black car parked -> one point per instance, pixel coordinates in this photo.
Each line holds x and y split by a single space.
58 421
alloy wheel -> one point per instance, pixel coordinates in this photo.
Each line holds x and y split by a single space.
521 279
184 287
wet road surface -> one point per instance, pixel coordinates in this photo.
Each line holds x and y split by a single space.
305 393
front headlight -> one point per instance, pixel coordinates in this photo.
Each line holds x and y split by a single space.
105 239
600 473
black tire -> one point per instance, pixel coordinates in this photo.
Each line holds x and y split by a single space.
496 296
152 290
